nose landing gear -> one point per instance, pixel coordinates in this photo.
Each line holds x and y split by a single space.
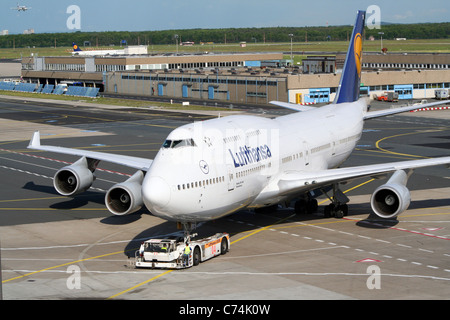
187 227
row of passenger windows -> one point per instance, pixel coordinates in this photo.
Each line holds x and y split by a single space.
231 139
253 133
200 184
352 138
320 148
292 157
251 170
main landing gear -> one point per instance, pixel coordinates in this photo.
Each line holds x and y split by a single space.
337 208
306 205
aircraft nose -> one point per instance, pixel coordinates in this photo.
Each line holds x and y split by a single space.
156 193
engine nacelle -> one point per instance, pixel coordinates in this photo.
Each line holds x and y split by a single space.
73 179
392 198
126 197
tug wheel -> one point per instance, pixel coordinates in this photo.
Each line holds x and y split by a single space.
224 246
196 256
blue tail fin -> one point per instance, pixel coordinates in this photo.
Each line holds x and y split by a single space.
75 47
348 90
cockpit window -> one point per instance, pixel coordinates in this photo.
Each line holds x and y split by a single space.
167 144
176 143
172 144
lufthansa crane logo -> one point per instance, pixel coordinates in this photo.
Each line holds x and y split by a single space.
204 166
357 49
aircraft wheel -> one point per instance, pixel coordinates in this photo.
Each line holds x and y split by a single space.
345 209
341 211
328 211
312 206
300 207
338 214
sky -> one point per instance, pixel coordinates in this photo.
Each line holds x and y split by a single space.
142 15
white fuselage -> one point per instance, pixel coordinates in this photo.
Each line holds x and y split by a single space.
206 170
98 52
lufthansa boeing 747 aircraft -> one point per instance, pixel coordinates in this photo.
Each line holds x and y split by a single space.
78 52
211 169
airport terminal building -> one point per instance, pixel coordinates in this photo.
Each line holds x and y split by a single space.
89 70
255 78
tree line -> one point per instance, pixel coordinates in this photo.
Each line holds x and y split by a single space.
228 35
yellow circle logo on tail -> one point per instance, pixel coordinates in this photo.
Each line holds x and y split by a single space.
357 49
75 47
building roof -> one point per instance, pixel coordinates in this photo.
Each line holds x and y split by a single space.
161 59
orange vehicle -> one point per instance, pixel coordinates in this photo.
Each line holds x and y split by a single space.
388 96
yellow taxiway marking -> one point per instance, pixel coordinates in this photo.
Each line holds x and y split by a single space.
377 144
140 284
262 229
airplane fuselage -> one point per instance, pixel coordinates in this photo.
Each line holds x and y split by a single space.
207 170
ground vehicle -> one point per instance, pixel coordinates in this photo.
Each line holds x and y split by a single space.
168 253
441 94
388 96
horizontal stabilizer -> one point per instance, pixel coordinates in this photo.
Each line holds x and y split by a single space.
387 112
292 106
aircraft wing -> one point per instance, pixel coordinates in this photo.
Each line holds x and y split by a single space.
369 114
133 162
295 180
387 112
292 106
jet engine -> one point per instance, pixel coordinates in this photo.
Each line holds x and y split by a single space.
75 178
126 197
392 198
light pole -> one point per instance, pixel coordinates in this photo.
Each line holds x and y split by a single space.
381 34
176 40
291 35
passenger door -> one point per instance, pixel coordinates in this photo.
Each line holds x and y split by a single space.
231 178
